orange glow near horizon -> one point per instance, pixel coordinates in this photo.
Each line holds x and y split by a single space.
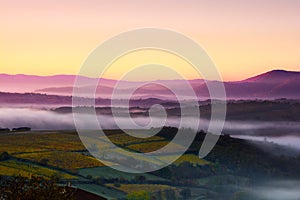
140 65
242 38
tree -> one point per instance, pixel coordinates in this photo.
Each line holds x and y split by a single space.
35 188
117 185
4 156
140 178
44 161
185 193
170 194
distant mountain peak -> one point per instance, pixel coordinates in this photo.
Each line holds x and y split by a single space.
274 76
281 71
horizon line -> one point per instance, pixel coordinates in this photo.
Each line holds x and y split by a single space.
53 75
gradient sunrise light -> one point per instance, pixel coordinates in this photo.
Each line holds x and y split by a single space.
243 38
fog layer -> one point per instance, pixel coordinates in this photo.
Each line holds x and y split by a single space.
48 120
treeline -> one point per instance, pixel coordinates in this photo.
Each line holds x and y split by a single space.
15 129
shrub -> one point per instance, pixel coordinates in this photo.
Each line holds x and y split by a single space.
4 156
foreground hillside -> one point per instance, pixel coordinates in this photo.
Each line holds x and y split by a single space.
228 171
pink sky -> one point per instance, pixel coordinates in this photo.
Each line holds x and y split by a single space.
243 38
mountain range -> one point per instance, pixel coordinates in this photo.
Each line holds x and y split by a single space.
269 85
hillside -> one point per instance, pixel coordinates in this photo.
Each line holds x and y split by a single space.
270 85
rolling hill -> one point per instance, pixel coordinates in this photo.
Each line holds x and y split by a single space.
270 85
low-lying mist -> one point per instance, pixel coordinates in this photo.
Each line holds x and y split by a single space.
279 132
34 118
276 190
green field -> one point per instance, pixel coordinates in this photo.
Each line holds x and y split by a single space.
109 173
124 139
190 158
131 188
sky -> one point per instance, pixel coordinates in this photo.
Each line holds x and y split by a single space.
243 38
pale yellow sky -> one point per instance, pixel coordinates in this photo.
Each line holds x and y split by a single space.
243 38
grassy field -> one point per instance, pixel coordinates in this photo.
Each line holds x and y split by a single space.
124 140
191 158
62 159
130 188
153 146
108 173
36 141
13 167
45 153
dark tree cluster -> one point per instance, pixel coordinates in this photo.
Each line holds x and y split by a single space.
34 188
